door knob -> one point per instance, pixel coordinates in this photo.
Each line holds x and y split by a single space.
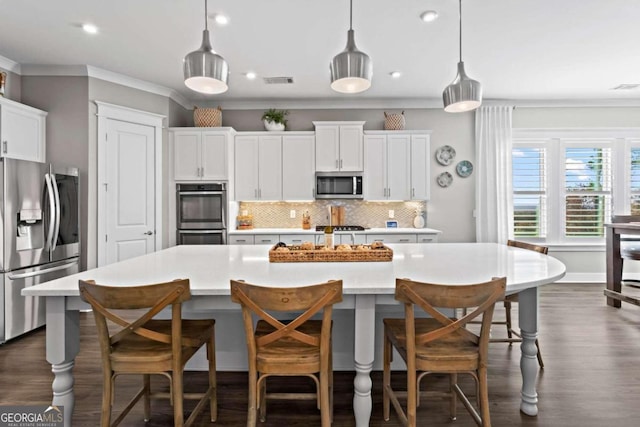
149 233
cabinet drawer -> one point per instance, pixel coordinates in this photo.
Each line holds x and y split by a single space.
427 238
266 239
297 239
392 238
241 240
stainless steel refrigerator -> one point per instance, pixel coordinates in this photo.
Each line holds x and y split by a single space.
39 212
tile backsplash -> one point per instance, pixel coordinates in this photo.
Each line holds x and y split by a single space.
366 214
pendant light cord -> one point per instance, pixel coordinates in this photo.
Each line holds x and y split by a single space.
206 16
351 14
460 25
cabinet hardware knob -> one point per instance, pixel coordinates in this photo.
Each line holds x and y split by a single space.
149 233
4 147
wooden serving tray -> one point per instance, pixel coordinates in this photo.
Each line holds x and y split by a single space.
295 253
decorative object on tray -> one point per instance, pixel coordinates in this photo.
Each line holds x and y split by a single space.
207 117
274 120
308 252
464 168
444 179
393 121
445 155
418 221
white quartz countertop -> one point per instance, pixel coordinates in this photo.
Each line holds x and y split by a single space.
210 267
313 231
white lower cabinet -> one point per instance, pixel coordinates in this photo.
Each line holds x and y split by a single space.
241 240
253 239
392 238
266 239
339 238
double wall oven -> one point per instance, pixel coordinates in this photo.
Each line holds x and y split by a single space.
201 214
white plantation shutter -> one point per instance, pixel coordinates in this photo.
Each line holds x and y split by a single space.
587 190
529 191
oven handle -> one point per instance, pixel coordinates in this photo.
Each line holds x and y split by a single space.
201 231
201 193
223 232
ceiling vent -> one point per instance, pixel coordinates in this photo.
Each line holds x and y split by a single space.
627 86
278 80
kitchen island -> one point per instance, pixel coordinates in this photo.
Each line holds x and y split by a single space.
367 287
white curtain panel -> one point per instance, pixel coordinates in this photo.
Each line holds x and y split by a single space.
494 204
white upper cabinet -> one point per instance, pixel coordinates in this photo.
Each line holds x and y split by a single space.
396 165
201 155
298 167
258 167
22 131
339 146
420 162
387 167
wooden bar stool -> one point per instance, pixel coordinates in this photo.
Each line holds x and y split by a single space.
300 347
148 346
440 344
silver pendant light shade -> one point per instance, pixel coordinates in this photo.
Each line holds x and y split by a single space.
204 70
464 93
351 69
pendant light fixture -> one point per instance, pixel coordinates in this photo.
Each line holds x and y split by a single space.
204 70
464 93
351 69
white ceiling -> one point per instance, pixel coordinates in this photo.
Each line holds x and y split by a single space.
537 50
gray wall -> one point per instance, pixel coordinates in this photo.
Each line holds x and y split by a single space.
449 209
65 101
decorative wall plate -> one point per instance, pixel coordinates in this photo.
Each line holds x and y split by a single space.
444 179
464 168
445 155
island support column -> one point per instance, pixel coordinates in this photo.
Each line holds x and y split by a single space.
365 319
63 344
528 319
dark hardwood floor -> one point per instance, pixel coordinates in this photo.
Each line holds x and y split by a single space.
591 376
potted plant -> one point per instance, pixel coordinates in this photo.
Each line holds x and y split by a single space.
274 119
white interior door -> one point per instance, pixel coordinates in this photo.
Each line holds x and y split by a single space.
129 190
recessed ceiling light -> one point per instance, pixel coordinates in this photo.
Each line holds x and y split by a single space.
395 74
219 18
251 75
90 28
429 15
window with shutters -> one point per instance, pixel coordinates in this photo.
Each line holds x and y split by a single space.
568 183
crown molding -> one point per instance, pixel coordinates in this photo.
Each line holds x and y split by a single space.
9 65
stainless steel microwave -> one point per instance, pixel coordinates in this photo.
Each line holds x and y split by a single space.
339 185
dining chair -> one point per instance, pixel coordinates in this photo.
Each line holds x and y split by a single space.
299 347
440 344
133 342
629 246
512 334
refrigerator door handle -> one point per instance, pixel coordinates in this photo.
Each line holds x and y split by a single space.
41 272
52 219
56 233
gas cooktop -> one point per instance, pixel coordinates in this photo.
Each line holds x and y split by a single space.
341 227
